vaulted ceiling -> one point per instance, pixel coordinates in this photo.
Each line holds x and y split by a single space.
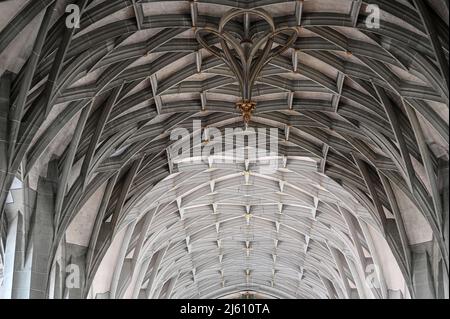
88 168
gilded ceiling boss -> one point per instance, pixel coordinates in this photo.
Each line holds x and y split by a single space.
248 52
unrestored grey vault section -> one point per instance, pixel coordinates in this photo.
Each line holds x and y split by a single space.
94 202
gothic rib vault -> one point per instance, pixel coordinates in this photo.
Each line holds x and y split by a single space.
95 202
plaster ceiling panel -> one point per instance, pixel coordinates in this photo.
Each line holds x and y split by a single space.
9 10
166 7
339 6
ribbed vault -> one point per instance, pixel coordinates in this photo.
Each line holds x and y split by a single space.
234 228
88 169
